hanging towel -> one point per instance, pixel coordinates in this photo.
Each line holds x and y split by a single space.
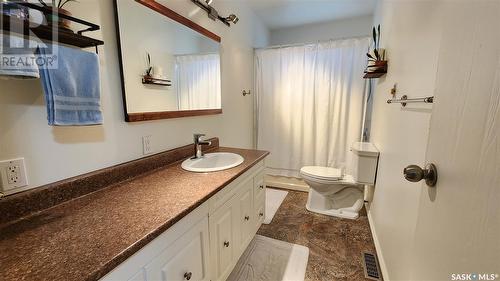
17 58
72 86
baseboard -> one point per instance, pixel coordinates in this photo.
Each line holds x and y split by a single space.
286 183
380 256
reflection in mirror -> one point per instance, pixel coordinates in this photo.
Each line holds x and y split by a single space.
167 67
197 81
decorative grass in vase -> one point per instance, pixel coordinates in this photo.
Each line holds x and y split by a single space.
376 57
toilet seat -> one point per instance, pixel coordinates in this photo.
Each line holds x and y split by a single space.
346 180
322 173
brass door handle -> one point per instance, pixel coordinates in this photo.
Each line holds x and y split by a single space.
414 173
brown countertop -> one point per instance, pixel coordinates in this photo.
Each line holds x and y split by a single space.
85 238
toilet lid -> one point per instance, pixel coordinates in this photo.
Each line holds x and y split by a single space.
326 173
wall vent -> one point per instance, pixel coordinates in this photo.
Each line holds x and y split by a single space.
371 267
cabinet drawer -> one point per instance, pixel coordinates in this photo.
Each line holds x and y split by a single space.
185 259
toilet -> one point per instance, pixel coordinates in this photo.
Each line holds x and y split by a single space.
334 193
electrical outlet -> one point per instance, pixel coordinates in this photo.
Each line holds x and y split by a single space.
13 174
147 147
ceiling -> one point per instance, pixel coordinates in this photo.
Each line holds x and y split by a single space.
278 14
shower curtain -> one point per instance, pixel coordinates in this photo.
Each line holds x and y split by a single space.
310 102
198 81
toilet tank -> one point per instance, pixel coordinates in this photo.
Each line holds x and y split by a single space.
364 162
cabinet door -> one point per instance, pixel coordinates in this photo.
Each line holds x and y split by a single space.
259 203
246 215
259 211
186 259
259 185
223 236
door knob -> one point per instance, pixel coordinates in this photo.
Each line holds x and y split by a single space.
414 173
247 218
226 244
188 275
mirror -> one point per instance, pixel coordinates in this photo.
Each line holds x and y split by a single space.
170 66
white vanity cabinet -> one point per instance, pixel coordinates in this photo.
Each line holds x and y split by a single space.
207 243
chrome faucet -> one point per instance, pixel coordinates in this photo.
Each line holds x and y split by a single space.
198 153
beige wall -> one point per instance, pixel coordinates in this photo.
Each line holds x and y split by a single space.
411 34
337 29
55 153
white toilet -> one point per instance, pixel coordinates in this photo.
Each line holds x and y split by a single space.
337 194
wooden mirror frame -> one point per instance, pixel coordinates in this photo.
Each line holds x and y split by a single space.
146 116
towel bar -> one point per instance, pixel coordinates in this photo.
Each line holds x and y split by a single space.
405 100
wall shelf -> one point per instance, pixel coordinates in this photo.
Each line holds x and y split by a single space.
379 69
369 75
155 81
48 32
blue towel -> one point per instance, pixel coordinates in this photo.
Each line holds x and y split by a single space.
17 60
72 86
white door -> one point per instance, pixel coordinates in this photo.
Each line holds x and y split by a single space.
458 227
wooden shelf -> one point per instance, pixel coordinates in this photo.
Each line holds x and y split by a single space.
46 32
379 71
155 81
370 75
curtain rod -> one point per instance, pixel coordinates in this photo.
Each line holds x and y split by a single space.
310 43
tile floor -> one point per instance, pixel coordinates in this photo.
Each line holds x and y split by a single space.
335 245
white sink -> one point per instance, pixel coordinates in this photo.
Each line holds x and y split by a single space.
212 162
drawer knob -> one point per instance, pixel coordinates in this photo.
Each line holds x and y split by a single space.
188 275
247 218
261 186
226 244
261 214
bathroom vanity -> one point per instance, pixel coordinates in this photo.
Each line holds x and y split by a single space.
148 219
207 243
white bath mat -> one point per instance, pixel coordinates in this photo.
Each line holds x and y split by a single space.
274 198
268 259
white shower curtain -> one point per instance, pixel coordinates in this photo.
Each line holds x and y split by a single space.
198 81
310 102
